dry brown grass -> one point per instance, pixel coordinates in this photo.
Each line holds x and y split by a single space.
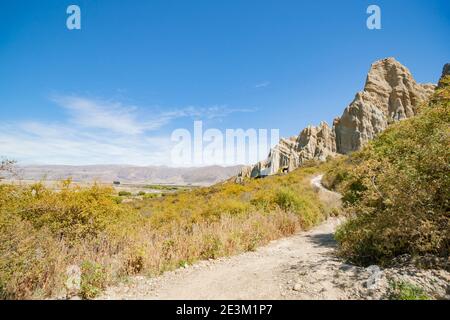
42 232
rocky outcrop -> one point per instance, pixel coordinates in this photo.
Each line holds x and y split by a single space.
390 94
316 143
312 143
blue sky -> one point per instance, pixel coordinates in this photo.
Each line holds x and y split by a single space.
114 91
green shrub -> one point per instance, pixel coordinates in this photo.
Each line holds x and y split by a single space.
151 195
124 193
28 258
401 290
337 172
227 206
288 200
117 200
43 231
72 214
310 212
399 190
93 279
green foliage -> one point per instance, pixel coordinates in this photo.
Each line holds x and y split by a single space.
230 206
27 258
93 279
151 195
72 214
287 200
163 187
337 172
290 193
398 188
406 291
124 193
43 231
292 201
117 200
442 93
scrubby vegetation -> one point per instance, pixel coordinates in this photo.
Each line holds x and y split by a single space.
398 188
406 291
163 187
45 232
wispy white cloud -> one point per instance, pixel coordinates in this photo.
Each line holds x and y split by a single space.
58 144
100 132
262 84
107 115
124 119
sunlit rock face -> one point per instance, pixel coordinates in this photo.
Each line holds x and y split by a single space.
316 143
390 94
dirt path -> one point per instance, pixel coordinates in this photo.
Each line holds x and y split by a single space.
271 272
267 273
303 266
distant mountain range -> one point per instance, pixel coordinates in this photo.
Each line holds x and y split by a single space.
128 174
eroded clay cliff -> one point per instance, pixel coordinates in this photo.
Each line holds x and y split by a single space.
390 94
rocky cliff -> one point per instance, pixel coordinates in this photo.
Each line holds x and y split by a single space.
390 94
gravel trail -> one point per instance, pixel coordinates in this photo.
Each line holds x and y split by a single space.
303 266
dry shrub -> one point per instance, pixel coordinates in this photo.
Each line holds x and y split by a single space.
43 232
399 190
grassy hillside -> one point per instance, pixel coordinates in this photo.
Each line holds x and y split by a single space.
43 232
397 188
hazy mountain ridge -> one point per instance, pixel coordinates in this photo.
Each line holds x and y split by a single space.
128 174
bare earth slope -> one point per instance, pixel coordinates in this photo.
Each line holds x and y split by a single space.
303 266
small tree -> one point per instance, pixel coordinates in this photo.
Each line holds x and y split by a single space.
6 165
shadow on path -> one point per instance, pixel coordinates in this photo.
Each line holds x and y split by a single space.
323 240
